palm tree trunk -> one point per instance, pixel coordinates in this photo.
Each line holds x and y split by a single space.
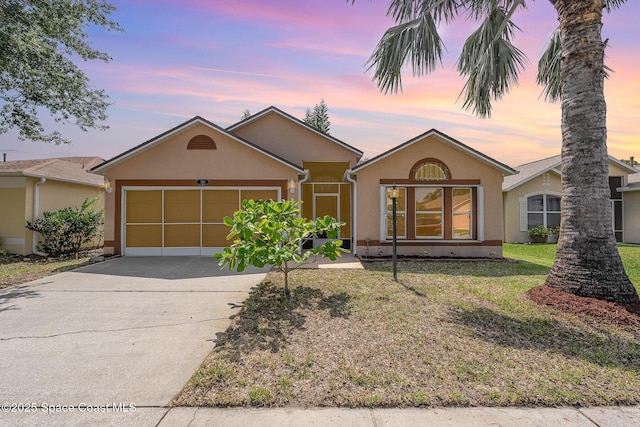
587 261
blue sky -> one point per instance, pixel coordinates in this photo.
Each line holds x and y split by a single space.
215 59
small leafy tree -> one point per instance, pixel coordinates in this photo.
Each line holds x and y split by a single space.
66 230
272 233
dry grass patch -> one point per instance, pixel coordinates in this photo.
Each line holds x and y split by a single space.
447 334
16 270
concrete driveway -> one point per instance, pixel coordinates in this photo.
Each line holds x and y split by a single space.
129 332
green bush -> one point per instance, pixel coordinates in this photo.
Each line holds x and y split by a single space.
66 230
540 231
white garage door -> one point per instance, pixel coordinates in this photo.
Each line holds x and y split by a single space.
182 220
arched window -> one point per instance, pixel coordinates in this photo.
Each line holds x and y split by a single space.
430 170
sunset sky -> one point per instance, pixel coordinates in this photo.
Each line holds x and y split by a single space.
178 59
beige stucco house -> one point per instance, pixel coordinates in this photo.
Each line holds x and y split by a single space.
532 197
30 187
170 194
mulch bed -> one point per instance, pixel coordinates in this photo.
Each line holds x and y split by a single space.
620 314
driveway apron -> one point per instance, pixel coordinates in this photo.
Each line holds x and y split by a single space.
128 331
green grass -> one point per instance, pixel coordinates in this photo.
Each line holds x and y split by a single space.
544 254
445 334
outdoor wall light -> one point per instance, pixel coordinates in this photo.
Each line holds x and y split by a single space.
202 181
107 185
291 186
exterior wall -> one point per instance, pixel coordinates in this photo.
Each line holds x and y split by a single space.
537 185
169 163
284 137
631 200
12 214
396 168
18 193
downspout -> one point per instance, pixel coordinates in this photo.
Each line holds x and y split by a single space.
307 177
354 210
36 209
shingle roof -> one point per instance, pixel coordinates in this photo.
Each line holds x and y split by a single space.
67 169
531 170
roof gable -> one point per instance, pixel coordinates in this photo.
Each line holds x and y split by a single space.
447 140
274 110
165 136
529 171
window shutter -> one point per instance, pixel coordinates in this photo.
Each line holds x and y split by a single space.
524 226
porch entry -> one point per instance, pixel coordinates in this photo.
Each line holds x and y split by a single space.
327 194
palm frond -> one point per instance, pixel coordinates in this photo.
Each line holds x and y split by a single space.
549 69
613 4
490 61
417 40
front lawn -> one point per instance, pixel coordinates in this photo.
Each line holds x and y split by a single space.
446 334
15 270
545 254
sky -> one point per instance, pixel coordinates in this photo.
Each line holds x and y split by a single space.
218 58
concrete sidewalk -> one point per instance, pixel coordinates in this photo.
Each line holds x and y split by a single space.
296 417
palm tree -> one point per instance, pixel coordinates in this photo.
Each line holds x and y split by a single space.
572 70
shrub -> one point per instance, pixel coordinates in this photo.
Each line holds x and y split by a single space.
66 230
539 231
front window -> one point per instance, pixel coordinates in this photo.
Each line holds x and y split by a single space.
429 212
462 209
544 210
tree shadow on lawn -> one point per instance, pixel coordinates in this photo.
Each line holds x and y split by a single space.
603 349
461 268
267 318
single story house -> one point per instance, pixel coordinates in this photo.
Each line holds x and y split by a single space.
30 187
170 194
532 197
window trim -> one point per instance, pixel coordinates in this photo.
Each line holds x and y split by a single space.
524 208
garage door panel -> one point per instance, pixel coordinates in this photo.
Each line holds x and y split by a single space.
181 235
216 204
182 221
144 236
144 206
215 235
182 206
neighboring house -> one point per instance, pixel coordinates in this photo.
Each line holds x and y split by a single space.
532 198
171 193
30 187
631 197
